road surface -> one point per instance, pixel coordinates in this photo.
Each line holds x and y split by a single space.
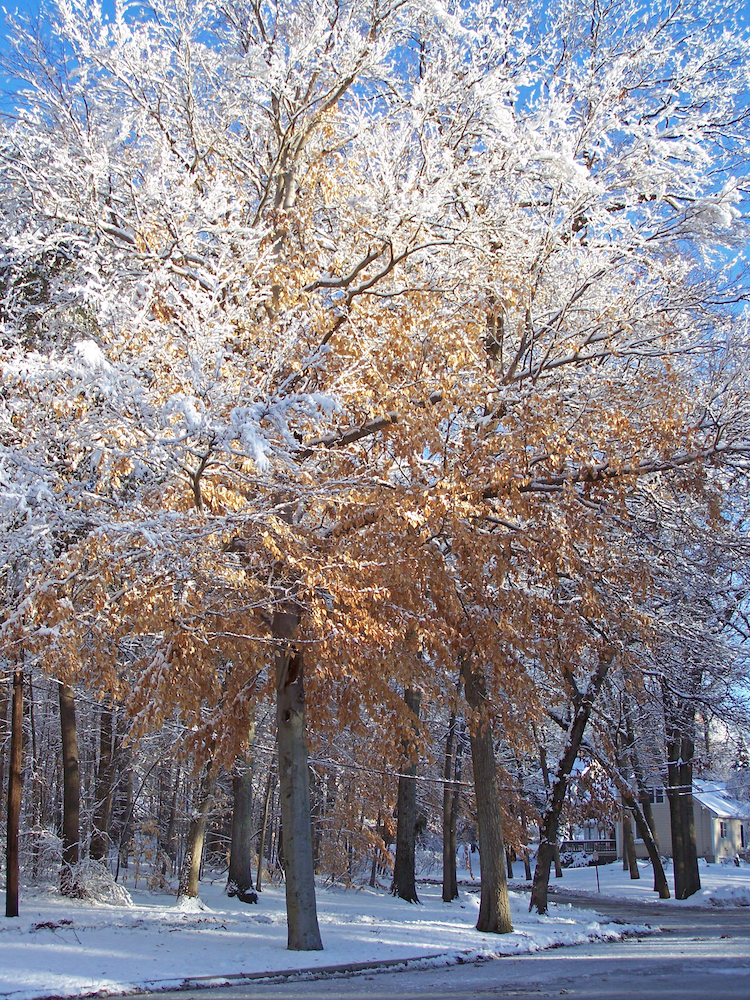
700 954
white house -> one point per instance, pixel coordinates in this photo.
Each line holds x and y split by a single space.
722 823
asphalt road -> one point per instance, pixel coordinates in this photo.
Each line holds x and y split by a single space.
698 954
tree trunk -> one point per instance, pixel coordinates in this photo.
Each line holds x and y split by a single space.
104 786
37 785
376 851
270 783
126 828
15 779
629 857
644 831
640 778
191 863
240 880
680 726
450 880
494 906
582 705
303 933
631 802
4 733
404 882
449 847
457 772
71 792
168 845
548 785
527 865
524 826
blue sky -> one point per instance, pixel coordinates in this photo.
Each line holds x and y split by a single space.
32 7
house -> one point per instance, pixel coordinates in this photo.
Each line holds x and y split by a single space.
722 823
591 844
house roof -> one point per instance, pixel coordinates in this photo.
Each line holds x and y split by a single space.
717 800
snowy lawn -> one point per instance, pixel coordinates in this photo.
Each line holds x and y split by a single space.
69 948
721 884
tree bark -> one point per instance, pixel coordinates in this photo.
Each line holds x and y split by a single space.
630 860
240 879
548 785
104 787
71 792
640 778
450 880
168 844
582 705
270 784
191 863
404 883
15 781
303 933
4 733
644 831
494 906
524 824
680 728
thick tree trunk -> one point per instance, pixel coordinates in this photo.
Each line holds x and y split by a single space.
240 879
15 779
303 933
404 881
680 726
582 705
105 775
679 792
191 863
494 906
71 792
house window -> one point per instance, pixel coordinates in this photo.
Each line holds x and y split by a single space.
722 829
655 795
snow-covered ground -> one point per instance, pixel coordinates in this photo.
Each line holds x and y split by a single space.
69 948
721 884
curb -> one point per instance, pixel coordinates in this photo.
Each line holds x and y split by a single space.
322 971
271 976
